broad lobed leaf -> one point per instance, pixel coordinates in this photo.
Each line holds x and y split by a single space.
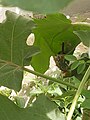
14 52
50 33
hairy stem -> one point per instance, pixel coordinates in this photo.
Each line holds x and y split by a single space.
50 78
81 86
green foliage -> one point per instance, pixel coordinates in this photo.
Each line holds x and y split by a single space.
86 103
45 110
5 92
54 34
88 61
14 53
70 58
86 93
84 36
81 26
75 65
78 64
41 6
50 33
81 68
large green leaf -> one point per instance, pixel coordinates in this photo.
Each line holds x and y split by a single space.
41 6
42 109
50 33
14 53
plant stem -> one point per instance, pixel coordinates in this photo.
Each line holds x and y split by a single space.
41 75
81 86
50 78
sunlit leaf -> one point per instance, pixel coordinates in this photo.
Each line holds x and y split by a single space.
50 33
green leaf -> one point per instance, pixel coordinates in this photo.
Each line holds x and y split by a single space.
42 109
86 104
41 6
68 93
50 33
75 65
84 36
81 68
75 81
41 61
14 52
70 58
20 101
86 93
79 26
88 61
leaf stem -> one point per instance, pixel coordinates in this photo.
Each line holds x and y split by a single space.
41 75
50 78
80 88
